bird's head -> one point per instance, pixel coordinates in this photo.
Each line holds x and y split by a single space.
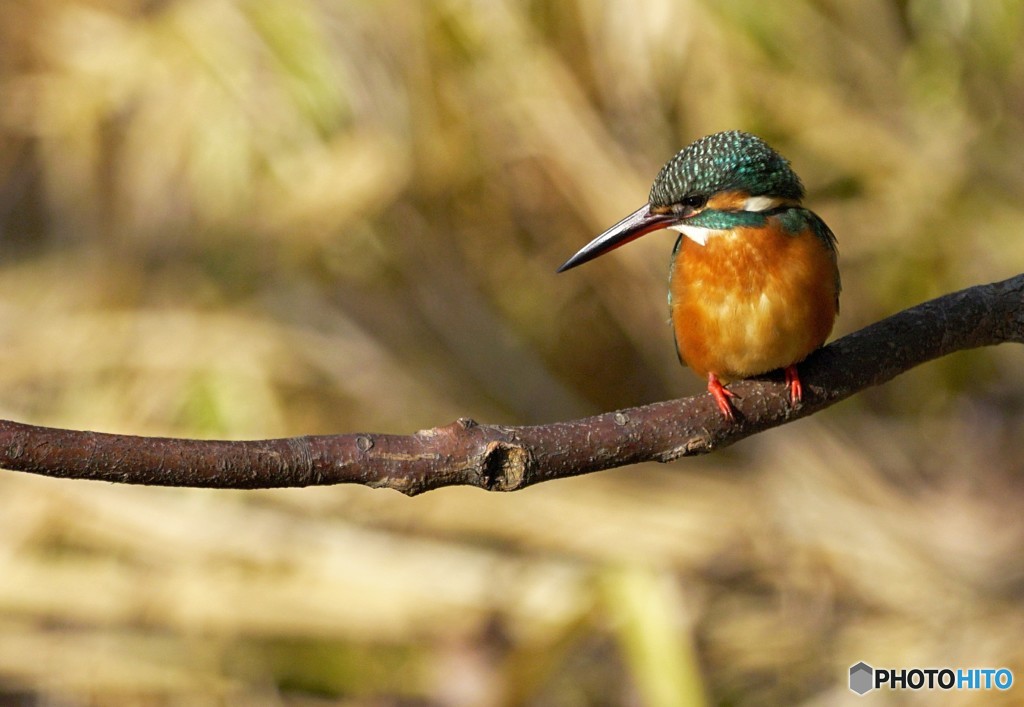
719 182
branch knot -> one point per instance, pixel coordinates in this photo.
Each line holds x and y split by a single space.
506 466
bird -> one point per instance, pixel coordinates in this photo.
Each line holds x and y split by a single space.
754 279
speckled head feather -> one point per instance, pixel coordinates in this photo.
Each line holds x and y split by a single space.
727 161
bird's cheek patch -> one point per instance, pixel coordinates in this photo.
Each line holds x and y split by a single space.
760 203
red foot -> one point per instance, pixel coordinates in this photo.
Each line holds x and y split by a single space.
721 394
796 391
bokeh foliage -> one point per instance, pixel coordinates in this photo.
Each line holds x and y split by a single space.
242 218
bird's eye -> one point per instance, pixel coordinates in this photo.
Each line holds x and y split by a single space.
694 202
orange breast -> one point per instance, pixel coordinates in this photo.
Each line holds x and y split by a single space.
752 300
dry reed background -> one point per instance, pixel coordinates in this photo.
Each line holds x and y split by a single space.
237 219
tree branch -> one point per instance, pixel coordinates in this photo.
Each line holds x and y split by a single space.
500 458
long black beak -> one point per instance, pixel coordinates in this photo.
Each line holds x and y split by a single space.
638 223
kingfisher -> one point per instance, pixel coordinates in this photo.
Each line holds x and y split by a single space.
754 280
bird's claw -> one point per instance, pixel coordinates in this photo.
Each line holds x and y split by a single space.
796 390
721 394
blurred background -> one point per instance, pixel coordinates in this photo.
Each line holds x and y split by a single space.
240 219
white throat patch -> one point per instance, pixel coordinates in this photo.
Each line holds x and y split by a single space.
696 234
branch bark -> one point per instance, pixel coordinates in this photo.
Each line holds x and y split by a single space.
502 458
